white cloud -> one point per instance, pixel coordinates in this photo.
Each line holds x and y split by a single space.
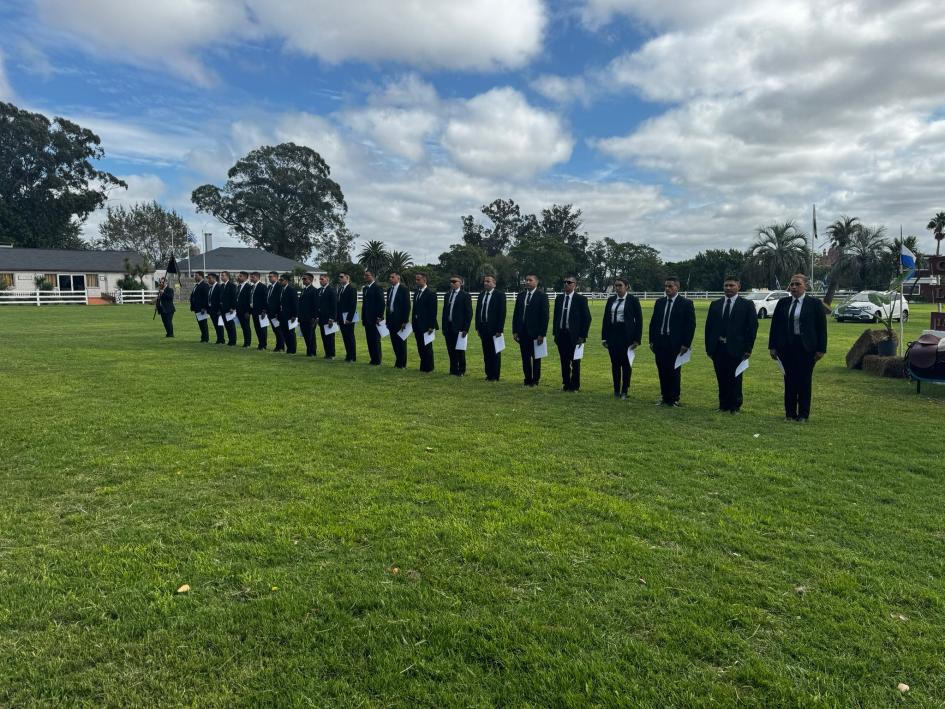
564 89
499 134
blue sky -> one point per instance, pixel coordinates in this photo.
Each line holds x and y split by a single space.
684 125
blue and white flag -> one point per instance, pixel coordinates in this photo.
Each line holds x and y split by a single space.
907 260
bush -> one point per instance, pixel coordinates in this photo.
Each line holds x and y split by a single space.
129 283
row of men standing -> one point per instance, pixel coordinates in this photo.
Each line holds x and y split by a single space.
797 339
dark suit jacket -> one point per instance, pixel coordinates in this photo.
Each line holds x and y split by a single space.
372 304
200 297
682 323
813 325
165 302
228 296
258 298
462 311
347 301
495 322
244 298
274 300
308 304
632 320
740 332
289 305
424 310
214 294
328 304
531 322
579 317
400 314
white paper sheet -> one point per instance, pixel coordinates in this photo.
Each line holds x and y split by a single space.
780 364
275 322
428 337
631 355
541 350
201 317
220 320
230 317
499 342
344 317
406 332
742 366
462 342
356 318
264 321
683 358
293 323
578 352
330 329
382 329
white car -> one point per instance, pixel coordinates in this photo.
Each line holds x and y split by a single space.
872 306
765 301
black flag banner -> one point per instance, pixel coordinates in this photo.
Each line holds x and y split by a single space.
172 268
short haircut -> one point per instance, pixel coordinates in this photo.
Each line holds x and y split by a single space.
254 273
488 275
198 273
367 271
213 276
393 273
421 274
730 277
226 272
802 276
244 273
273 273
674 279
621 279
531 275
308 275
458 278
570 276
286 276
343 273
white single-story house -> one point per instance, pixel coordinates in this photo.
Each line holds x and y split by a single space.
67 270
235 259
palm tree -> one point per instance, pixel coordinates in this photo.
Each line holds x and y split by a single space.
399 261
780 249
841 234
937 227
866 249
374 257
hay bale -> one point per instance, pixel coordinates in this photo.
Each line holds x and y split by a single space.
884 366
866 344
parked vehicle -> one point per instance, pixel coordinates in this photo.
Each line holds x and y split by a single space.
765 301
872 306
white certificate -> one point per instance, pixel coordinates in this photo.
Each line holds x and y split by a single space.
356 318
683 358
263 321
780 364
462 342
382 329
293 323
541 350
219 320
330 329
405 332
201 317
631 355
499 342
742 366
230 316
344 317
275 322
578 352
428 337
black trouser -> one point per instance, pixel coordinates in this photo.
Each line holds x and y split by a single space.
230 326
288 336
531 367
244 325
620 370
570 368
670 379
262 333
730 386
307 328
492 358
204 330
798 366
328 342
457 357
400 347
280 336
373 338
168 320
425 351
347 337
217 327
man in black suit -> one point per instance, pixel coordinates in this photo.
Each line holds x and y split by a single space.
621 330
213 306
228 307
672 328
200 304
457 316
490 323
372 313
347 307
308 314
165 306
328 314
530 326
273 309
259 307
288 311
798 338
397 316
424 320
244 306
730 329
570 325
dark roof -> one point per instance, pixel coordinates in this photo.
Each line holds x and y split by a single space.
232 258
65 260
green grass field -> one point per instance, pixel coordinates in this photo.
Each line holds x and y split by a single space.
361 536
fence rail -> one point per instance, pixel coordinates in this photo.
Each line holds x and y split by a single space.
124 297
43 297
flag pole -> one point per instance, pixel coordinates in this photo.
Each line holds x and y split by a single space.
902 296
813 245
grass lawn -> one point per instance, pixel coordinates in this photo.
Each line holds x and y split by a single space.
356 535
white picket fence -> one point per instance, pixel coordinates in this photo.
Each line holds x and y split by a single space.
142 297
43 297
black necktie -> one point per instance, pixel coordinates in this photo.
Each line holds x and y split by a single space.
726 314
666 314
791 316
